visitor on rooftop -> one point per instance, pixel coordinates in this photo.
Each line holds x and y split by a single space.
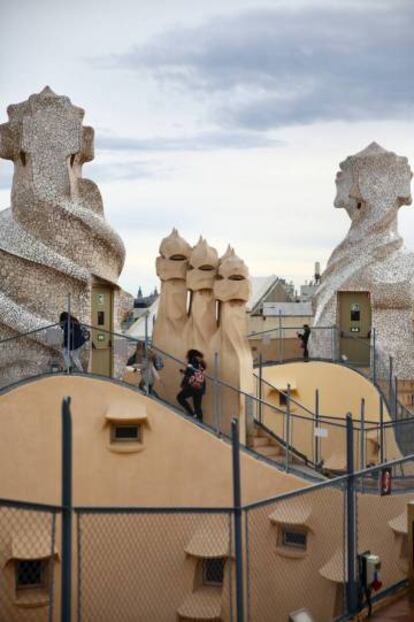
74 339
304 338
193 384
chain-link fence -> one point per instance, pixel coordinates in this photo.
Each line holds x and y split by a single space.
155 565
295 554
381 523
28 568
299 550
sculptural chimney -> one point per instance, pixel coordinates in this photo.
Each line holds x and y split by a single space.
54 240
368 283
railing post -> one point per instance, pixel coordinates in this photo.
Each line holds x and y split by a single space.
146 331
362 455
351 587
216 393
66 574
237 519
69 334
316 425
390 391
147 363
395 397
260 386
381 429
280 336
287 426
335 347
374 357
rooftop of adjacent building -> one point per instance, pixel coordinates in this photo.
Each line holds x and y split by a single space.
144 302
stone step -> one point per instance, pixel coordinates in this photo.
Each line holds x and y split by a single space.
268 451
259 433
260 441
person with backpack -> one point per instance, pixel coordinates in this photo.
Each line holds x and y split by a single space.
304 338
74 338
193 384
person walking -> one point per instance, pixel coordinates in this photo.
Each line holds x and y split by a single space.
149 373
193 384
304 338
74 338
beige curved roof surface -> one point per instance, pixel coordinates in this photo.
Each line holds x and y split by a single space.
290 514
208 542
334 569
204 604
399 524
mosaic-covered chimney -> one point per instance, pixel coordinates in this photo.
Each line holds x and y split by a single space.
54 240
368 283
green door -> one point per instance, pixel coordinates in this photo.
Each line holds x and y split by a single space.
102 313
354 310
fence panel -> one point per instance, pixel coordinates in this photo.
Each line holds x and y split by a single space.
28 572
155 566
295 554
382 526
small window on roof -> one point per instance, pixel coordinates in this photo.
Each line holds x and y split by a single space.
296 538
31 573
213 571
282 399
126 433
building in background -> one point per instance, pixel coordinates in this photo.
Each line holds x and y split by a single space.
268 289
275 314
142 326
142 306
141 302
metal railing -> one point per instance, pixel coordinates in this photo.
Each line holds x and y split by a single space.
281 345
299 431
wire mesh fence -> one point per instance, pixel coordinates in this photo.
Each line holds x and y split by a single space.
158 564
382 495
155 565
28 552
296 553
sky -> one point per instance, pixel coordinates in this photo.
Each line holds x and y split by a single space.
225 119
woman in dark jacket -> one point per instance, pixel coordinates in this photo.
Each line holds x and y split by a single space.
193 384
73 340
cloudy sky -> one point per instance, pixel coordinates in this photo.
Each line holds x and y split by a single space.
226 119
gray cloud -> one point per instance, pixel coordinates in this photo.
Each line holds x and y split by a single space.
121 170
202 141
270 68
101 172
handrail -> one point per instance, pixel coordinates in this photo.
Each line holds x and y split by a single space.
341 422
269 384
341 479
30 332
403 414
287 446
277 329
29 505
